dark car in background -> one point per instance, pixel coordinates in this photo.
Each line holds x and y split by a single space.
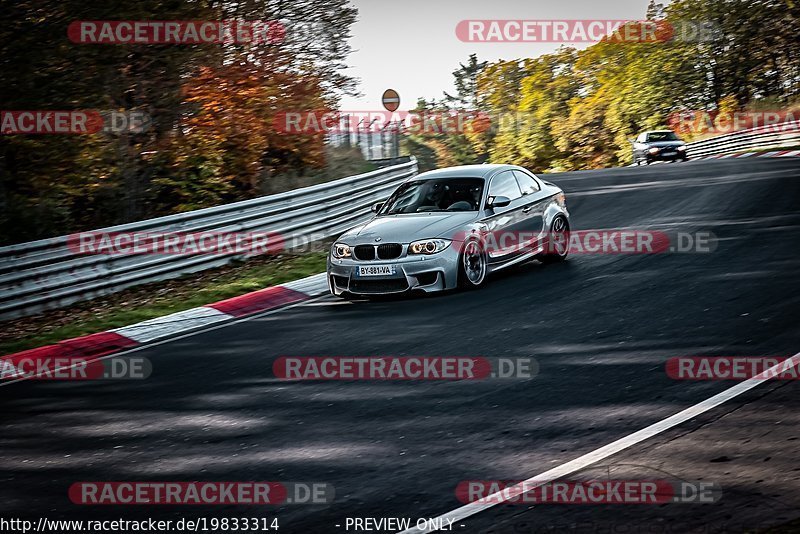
658 145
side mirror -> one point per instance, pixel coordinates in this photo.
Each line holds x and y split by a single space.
377 207
631 140
498 202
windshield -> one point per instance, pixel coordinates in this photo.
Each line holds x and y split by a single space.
662 136
443 194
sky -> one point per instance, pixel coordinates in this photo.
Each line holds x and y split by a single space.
411 45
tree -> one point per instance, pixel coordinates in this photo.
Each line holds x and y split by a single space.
577 110
466 78
210 138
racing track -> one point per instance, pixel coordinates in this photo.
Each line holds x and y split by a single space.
601 327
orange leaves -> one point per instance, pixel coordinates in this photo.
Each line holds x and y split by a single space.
230 117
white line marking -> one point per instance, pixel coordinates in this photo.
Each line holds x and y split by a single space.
602 453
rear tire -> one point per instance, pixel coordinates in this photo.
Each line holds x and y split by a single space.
473 265
557 250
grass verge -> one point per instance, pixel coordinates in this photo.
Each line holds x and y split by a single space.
156 299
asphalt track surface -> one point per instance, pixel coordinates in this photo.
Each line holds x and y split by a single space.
600 326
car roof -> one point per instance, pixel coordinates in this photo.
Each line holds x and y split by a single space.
466 171
658 131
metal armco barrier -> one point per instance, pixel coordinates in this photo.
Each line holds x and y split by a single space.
776 136
46 274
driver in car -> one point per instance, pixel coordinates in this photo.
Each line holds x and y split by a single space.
433 198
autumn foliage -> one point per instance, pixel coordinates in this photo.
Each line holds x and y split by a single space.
210 139
578 109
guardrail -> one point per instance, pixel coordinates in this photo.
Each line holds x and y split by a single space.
46 274
777 136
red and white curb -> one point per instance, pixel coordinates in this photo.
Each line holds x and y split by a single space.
119 339
773 154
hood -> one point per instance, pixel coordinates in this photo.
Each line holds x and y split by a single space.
407 227
662 144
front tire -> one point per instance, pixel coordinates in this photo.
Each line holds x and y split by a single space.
473 265
558 249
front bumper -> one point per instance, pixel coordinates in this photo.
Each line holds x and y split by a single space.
435 272
678 155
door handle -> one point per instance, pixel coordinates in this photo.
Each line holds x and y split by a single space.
526 209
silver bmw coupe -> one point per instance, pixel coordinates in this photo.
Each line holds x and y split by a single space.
451 228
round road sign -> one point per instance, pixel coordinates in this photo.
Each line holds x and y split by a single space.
391 100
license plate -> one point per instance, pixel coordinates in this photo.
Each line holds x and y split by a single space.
376 270
669 153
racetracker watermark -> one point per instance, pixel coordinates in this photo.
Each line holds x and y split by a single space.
201 493
718 122
587 492
75 368
315 122
420 123
178 32
732 368
175 243
608 241
585 30
403 368
76 122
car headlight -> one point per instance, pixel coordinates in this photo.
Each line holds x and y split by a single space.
340 250
682 148
428 246
653 150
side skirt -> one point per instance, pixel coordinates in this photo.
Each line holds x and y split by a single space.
519 259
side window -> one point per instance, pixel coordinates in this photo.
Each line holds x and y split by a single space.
504 185
526 183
